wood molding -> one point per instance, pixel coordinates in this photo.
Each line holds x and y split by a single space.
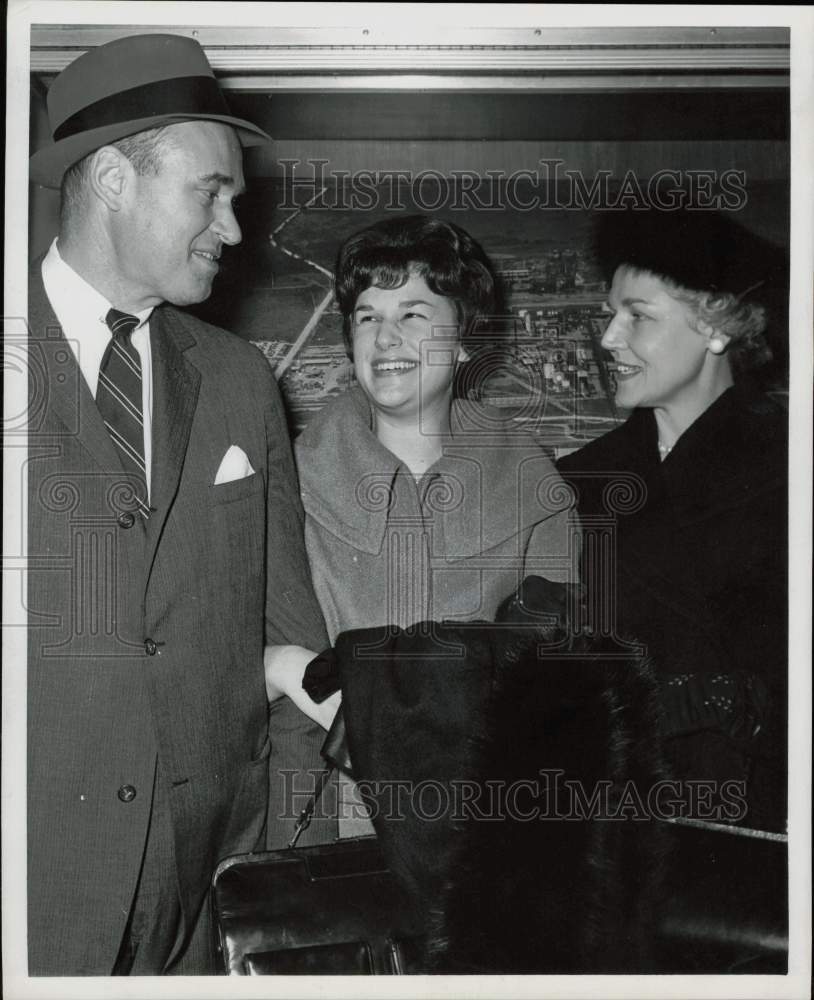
553 53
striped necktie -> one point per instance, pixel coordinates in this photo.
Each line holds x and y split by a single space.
119 396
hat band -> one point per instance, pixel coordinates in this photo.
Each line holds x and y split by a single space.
192 95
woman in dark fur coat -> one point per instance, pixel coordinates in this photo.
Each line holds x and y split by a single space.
693 489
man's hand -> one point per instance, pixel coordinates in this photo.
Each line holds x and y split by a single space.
285 667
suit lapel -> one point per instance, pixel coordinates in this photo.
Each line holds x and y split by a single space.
176 383
63 389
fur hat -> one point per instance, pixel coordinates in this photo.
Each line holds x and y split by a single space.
698 249
127 86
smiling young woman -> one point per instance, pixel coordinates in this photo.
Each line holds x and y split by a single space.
419 506
404 486
406 350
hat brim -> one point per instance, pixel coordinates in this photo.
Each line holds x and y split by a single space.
48 165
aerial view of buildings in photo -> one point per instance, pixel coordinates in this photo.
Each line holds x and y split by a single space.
541 359
550 373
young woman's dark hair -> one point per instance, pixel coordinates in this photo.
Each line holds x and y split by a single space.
446 257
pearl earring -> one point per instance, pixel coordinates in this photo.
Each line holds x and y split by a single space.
716 345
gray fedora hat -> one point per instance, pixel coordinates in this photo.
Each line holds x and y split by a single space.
127 86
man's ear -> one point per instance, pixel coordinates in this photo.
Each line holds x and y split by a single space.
110 173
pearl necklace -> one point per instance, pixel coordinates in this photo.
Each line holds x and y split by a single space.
664 450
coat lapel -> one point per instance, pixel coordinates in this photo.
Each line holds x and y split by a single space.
346 475
505 484
176 383
57 382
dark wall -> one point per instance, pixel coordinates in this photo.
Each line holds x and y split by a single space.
489 133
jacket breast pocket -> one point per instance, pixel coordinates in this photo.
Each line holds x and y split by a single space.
235 552
237 489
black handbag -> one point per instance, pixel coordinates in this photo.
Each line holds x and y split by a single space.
332 909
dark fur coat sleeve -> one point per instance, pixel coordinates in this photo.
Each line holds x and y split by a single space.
523 762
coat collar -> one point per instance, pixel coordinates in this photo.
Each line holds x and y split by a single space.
733 452
346 474
491 482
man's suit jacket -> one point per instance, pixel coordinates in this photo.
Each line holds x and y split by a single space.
145 642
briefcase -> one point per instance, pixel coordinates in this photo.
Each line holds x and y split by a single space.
332 909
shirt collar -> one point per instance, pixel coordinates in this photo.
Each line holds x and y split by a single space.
74 301
81 311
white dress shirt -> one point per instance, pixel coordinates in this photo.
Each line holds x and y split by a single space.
81 312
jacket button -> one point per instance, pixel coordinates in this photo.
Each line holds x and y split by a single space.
150 647
126 793
126 519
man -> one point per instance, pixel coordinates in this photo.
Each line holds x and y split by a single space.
164 521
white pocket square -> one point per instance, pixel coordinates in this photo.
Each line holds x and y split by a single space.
234 465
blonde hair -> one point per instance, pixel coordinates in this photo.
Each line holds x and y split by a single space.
736 317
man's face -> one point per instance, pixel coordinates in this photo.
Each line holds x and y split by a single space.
173 225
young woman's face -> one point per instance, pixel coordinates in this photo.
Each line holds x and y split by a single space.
406 347
659 354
